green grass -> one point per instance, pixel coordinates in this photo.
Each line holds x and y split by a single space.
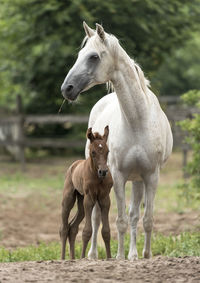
186 244
21 182
171 199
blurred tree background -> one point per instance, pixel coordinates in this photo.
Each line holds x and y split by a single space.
40 41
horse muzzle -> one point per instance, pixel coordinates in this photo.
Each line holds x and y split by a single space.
102 173
69 92
72 87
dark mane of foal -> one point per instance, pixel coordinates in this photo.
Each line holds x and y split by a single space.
97 136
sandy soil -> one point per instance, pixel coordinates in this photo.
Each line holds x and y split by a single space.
31 218
26 218
157 270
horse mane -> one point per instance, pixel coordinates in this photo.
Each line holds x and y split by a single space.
85 39
114 45
97 136
145 83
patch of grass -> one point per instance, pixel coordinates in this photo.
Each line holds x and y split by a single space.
186 244
21 182
170 199
31 253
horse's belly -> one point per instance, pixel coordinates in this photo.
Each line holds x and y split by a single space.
134 177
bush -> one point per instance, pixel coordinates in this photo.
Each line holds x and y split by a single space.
192 126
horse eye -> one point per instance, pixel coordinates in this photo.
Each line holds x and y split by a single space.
94 57
93 153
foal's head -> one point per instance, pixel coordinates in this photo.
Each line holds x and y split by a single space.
94 65
99 151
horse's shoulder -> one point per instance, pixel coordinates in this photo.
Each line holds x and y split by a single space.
75 164
103 102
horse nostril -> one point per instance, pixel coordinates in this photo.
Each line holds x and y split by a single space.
104 173
69 88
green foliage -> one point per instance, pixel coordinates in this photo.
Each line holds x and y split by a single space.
180 72
40 252
186 244
192 126
39 41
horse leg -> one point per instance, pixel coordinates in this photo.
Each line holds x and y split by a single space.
87 230
67 204
134 213
105 231
74 224
121 221
96 217
151 182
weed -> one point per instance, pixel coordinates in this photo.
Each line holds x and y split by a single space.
186 244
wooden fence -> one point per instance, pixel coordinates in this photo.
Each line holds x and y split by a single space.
20 141
20 121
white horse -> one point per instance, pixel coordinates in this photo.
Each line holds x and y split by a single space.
140 139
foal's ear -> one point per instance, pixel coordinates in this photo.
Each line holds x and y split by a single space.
106 132
90 135
100 31
89 32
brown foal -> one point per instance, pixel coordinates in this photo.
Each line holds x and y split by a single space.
89 181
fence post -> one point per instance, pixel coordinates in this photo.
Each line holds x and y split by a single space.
185 160
20 132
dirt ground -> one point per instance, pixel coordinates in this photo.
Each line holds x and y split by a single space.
29 217
23 222
156 270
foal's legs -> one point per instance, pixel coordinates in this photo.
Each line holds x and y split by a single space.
96 218
73 229
122 221
134 213
105 206
67 204
87 230
151 182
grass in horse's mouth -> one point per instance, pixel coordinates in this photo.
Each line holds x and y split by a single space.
61 106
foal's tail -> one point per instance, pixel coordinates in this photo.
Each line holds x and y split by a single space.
80 210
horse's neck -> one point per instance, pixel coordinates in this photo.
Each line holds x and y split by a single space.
132 99
91 167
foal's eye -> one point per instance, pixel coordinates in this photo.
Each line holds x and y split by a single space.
94 57
93 153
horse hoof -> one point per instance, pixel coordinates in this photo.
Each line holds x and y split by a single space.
120 257
133 257
147 254
92 255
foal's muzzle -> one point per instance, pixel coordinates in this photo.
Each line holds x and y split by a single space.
102 173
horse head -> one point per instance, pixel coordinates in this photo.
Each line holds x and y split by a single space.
99 151
93 66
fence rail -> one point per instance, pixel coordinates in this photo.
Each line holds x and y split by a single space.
18 123
45 119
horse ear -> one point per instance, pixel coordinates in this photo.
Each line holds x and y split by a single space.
106 132
90 135
89 32
100 31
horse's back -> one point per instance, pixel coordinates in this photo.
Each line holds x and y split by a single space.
164 129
